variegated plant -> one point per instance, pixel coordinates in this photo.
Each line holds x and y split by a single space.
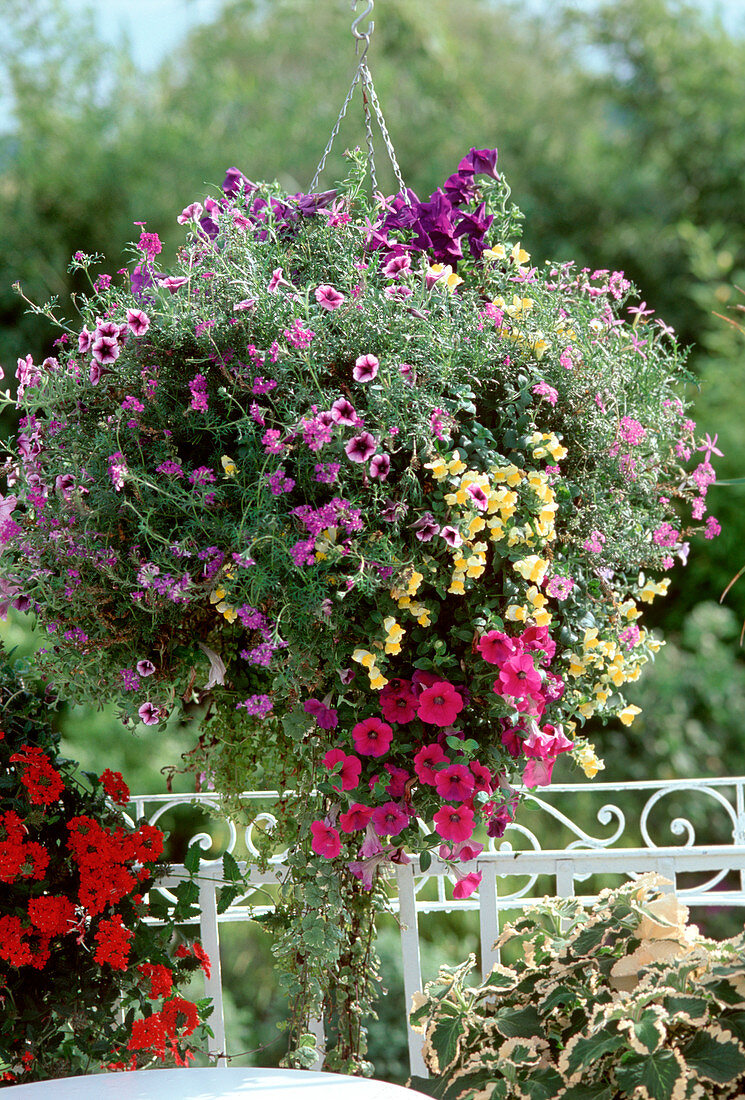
623 1000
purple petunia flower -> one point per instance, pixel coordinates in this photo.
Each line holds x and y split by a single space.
365 368
343 412
380 466
426 527
328 297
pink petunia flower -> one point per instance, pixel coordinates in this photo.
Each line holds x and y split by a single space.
518 677
426 761
342 412
479 499
451 535
138 321
440 704
537 772
365 368
398 701
467 885
190 213
326 840
454 822
361 447
149 714
328 297
380 466
482 776
372 737
399 778
455 783
105 350
389 819
145 668
349 772
355 818
496 647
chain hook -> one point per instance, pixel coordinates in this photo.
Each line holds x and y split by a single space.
362 36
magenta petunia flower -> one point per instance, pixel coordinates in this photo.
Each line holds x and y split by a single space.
244 305
190 213
455 783
326 717
328 297
389 819
380 466
426 761
467 885
397 266
372 737
454 822
326 840
365 368
349 772
398 701
173 283
342 412
536 639
399 778
361 447
482 776
356 817
145 668
440 704
85 339
518 677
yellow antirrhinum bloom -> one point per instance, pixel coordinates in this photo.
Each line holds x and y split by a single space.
652 589
455 465
590 639
458 497
587 709
588 761
629 610
456 585
478 523
536 597
496 530
364 657
556 450
576 665
439 468
496 252
447 277
539 345
601 694
520 535
414 582
516 613
542 618
531 568
511 474
377 679
519 255
504 500
217 594
227 611
229 466
628 714
520 306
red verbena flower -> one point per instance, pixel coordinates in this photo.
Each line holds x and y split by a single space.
113 941
43 782
115 787
161 979
52 915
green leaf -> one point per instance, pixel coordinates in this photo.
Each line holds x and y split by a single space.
695 1007
589 938
425 860
193 858
734 1022
230 868
586 1051
587 1092
659 1073
715 1057
226 897
449 1027
521 1022
544 1084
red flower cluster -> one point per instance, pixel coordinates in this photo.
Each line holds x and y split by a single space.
43 782
113 940
19 857
105 856
115 787
160 1032
184 952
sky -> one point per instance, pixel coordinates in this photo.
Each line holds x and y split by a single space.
156 27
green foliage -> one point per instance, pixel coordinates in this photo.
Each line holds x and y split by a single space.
601 1003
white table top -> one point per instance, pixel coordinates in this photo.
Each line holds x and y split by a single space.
210 1084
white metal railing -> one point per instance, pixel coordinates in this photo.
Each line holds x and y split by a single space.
640 815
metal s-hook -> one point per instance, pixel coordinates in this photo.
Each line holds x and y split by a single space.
362 36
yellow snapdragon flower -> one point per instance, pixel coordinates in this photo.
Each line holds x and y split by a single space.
228 466
532 568
445 276
628 714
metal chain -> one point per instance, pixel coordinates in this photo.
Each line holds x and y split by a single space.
335 131
386 136
363 77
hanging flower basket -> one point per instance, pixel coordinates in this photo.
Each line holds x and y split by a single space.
372 495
